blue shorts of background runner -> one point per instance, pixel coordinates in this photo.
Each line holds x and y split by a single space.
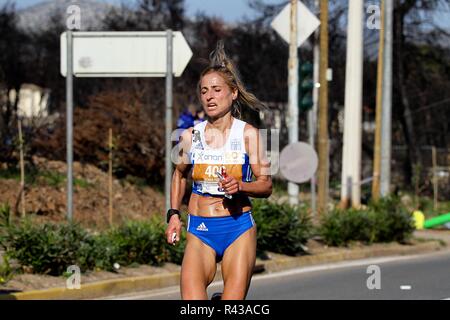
220 232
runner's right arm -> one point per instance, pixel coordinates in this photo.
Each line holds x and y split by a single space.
178 185
182 168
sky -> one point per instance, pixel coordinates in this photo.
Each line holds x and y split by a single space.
229 10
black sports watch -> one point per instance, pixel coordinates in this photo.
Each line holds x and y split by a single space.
172 212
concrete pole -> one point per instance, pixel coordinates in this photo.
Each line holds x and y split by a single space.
386 128
69 125
169 103
351 164
293 188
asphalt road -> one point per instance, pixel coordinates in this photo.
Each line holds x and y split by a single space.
423 277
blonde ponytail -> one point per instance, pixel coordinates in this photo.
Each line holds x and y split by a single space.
219 62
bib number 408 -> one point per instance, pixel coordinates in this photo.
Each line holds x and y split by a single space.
212 170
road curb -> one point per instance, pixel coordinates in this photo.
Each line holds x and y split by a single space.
135 284
100 288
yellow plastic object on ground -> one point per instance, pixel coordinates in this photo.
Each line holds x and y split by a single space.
419 219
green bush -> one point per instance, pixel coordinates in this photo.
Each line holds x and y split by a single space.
340 227
47 248
139 242
281 228
394 221
136 242
51 248
5 270
5 216
101 253
384 221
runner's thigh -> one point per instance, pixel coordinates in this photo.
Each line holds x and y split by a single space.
237 265
198 268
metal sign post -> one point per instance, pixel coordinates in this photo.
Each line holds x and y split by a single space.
169 96
124 55
293 188
386 126
295 23
69 125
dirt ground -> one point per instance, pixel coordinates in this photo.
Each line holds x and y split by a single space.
47 202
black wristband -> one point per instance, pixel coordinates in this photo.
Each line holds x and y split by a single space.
172 212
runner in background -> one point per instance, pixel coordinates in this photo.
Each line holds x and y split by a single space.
188 117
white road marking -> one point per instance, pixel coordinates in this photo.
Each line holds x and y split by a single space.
405 287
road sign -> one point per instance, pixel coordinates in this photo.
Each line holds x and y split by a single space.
124 54
306 21
298 162
121 54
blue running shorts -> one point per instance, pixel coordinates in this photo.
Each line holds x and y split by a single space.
220 232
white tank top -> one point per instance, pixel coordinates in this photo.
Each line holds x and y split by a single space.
206 161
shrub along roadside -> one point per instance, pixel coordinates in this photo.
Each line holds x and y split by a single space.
281 228
384 221
51 248
47 248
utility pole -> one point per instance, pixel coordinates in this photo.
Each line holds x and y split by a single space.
293 188
351 164
386 135
322 173
312 114
377 146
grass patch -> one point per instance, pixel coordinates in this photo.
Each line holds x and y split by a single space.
45 177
